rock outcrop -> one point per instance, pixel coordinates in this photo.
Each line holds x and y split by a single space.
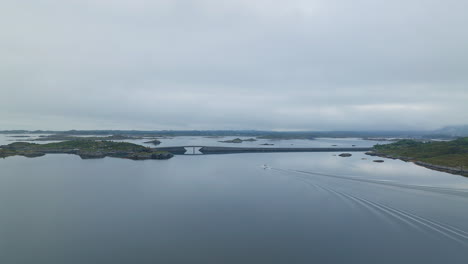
154 142
86 149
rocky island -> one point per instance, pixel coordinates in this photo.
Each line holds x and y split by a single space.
238 140
86 149
154 142
447 156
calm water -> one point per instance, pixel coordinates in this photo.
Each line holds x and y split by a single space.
307 208
215 141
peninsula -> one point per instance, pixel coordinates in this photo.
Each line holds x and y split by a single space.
86 149
448 156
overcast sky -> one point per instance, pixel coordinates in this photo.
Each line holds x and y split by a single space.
240 64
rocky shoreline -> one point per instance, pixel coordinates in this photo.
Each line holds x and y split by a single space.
85 149
453 170
154 142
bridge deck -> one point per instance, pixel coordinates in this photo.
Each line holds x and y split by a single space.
180 150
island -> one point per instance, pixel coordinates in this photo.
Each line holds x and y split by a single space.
447 156
238 140
86 149
60 137
154 142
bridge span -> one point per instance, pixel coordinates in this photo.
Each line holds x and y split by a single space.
190 150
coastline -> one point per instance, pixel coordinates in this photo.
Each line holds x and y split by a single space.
86 149
452 170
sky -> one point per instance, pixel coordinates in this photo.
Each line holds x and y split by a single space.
240 64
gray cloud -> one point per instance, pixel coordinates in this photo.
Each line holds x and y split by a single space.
205 64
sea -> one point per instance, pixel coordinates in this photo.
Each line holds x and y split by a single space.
230 208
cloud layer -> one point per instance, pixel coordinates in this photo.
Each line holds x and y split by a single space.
206 64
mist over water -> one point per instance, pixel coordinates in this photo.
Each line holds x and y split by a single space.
304 208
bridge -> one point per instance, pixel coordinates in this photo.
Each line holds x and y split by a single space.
193 150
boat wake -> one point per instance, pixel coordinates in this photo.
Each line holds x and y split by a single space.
416 222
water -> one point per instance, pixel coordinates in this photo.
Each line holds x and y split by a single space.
6 139
306 208
215 141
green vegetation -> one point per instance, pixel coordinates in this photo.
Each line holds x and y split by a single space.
444 153
154 142
90 145
86 149
238 140
55 137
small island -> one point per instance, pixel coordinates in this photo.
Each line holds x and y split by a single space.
154 142
86 149
447 156
238 140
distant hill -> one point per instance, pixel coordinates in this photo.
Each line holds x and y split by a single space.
454 131
237 133
449 132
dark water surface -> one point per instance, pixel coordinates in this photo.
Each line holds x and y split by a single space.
308 208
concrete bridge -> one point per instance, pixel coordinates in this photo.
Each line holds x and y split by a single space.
193 150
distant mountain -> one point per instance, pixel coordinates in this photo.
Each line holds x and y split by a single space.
454 131
236 133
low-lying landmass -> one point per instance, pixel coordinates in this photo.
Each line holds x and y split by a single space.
59 137
380 139
86 149
448 133
448 156
288 136
154 142
238 140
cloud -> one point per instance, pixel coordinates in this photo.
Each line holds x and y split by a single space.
206 64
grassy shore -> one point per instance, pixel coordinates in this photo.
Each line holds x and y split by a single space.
443 153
